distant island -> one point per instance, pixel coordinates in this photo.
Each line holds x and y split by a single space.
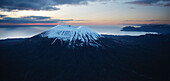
161 28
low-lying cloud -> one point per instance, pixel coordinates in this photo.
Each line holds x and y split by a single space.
31 19
146 20
164 3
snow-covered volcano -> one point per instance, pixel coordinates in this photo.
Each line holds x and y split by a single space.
73 35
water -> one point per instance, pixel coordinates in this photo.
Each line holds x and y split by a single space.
115 30
29 31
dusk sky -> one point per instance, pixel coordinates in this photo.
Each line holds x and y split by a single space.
84 12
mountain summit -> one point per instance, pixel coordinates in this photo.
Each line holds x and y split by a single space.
73 35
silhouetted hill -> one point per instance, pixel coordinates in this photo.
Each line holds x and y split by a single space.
162 28
122 58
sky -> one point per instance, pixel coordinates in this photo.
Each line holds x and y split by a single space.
84 12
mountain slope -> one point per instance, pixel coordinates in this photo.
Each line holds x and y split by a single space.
121 58
73 36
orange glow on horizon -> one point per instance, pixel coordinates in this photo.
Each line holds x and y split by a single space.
114 22
90 23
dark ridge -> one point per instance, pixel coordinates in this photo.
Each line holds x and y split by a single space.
159 28
124 58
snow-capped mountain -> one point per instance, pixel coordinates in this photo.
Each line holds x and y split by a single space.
44 58
73 36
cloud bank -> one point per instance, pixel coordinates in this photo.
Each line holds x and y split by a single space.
146 20
164 3
9 5
31 19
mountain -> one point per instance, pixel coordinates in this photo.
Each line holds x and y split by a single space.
67 53
159 28
73 36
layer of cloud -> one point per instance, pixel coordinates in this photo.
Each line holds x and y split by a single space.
1 16
146 20
31 19
150 2
9 5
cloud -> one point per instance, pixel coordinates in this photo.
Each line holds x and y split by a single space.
8 5
150 2
131 8
146 20
37 17
167 5
31 19
2 16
